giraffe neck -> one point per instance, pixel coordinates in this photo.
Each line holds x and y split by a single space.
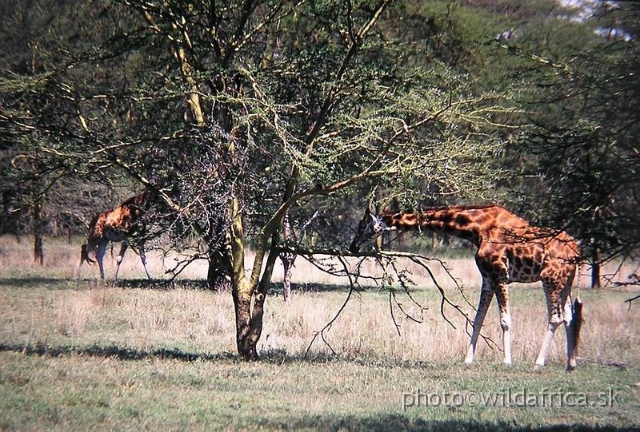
137 204
464 222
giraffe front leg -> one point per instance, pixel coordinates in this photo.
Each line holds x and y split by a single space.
102 249
120 257
502 295
486 295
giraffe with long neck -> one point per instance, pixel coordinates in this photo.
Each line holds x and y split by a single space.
508 250
117 225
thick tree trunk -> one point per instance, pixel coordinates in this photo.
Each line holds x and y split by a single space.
38 249
595 276
257 312
249 294
245 322
248 325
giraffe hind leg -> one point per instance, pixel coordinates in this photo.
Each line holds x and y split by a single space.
143 258
546 343
555 315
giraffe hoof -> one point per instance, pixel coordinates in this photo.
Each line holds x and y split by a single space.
538 368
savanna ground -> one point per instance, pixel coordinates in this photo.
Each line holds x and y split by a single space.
76 354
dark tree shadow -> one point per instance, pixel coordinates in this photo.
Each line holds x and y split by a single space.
398 422
114 351
159 284
37 282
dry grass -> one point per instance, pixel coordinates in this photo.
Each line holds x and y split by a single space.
88 312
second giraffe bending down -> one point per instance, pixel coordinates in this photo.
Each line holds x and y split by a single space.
509 250
117 225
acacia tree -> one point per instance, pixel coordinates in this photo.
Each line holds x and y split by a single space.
237 114
47 80
583 134
27 56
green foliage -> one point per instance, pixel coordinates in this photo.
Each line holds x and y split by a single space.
583 138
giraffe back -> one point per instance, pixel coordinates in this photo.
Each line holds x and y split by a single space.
527 254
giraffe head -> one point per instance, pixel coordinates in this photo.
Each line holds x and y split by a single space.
369 227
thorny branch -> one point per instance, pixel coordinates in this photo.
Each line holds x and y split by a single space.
404 282
635 280
321 332
386 259
631 300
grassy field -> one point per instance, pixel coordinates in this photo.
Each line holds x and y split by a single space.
76 354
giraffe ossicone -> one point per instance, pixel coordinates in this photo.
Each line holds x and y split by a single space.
509 250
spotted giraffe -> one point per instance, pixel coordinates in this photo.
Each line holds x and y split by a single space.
117 225
508 250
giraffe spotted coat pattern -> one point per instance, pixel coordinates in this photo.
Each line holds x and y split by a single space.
117 225
509 250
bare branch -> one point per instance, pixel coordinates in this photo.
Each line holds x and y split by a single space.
631 300
353 274
321 333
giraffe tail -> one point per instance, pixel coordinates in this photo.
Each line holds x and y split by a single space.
84 255
576 322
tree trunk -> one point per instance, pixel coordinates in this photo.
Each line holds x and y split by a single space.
249 295
287 258
219 272
242 290
38 229
287 263
595 251
257 312
245 322
595 268
38 249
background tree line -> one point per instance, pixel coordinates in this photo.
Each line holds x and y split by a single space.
240 114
